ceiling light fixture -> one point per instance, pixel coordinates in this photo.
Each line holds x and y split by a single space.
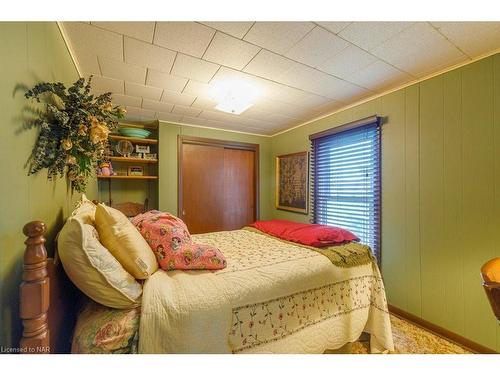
233 96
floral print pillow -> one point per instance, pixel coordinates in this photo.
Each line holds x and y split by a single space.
103 330
169 238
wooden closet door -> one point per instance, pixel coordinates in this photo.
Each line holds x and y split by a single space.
239 188
202 199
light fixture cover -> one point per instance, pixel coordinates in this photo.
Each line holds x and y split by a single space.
233 96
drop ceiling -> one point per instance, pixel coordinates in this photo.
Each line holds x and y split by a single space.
163 70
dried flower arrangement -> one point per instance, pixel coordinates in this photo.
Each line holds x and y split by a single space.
74 130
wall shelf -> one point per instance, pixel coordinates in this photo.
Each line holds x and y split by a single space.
145 141
133 160
127 177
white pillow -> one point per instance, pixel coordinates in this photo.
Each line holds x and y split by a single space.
93 269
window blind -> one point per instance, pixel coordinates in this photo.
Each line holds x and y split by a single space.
346 179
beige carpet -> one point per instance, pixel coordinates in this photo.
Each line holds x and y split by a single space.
411 339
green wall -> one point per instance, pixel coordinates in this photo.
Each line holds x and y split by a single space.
168 162
29 52
440 193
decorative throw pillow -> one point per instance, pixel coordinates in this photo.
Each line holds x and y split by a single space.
123 240
171 242
92 268
315 235
85 209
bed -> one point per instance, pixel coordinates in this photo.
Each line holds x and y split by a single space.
273 297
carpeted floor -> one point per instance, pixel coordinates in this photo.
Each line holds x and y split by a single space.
411 339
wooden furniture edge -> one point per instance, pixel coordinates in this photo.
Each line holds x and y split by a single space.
48 299
442 332
34 291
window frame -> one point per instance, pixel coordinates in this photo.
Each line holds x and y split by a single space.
316 137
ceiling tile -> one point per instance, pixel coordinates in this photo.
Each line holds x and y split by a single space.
157 106
94 41
324 109
269 65
267 117
166 81
320 83
334 27
126 100
217 115
474 38
217 124
204 103
120 70
168 117
278 36
103 84
88 63
139 30
236 29
142 91
193 68
196 88
419 50
285 109
228 74
148 55
317 47
369 35
348 61
139 113
379 75
193 120
177 98
188 37
229 51
295 96
186 111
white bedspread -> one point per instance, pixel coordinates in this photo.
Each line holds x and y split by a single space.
273 297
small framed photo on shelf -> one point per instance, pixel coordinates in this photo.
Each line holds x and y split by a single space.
135 171
141 149
150 156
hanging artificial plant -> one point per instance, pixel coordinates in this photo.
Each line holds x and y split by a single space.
74 130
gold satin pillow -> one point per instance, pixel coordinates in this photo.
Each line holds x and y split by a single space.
125 242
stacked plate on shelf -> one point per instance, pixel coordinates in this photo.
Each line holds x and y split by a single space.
134 132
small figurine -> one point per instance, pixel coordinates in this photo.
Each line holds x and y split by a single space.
106 169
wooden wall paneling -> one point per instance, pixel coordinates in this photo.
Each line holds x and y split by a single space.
412 199
239 186
453 219
393 208
496 124
478 195
431 199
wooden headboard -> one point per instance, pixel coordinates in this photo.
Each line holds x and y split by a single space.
48 299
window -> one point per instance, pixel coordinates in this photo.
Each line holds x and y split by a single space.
346 179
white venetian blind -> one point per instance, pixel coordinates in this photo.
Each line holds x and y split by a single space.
346 179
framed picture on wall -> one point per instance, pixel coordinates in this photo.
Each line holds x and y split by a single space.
292 182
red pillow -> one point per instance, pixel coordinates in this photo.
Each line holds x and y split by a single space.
307 234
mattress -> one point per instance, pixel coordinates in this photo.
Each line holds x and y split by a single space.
273 297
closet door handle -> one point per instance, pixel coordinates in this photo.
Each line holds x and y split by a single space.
183 212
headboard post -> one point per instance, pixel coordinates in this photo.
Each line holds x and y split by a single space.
34 291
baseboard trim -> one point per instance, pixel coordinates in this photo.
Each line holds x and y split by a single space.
440 331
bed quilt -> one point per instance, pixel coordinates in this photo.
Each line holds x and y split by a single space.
273 297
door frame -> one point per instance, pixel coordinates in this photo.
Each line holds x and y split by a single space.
183 139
